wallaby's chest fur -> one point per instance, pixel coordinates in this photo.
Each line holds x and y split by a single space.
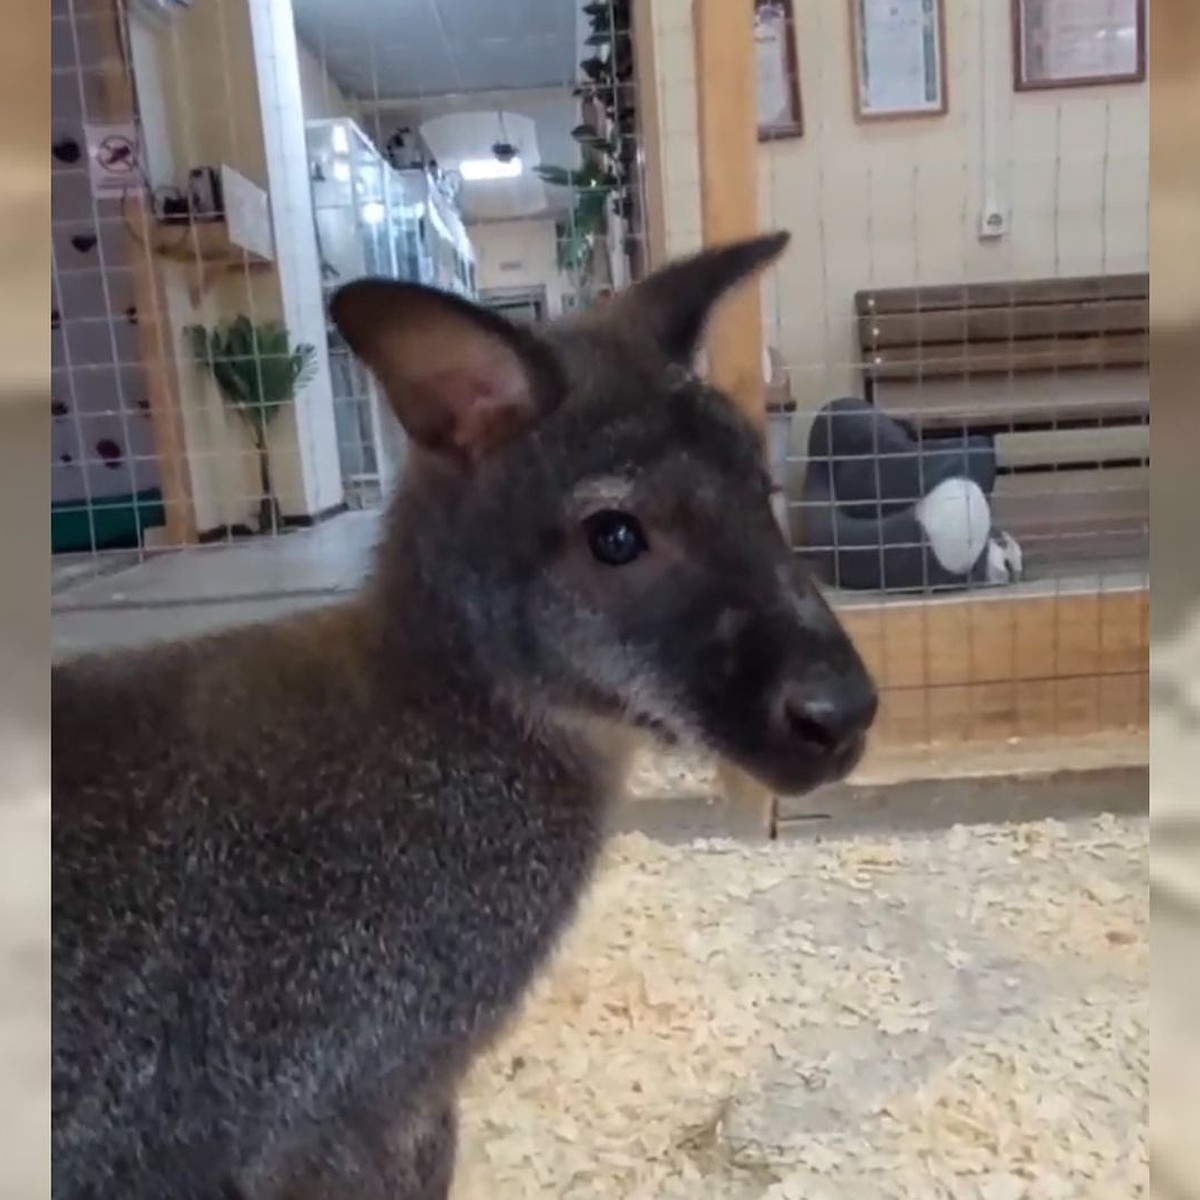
281 875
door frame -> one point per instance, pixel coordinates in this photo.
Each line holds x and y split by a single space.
498 299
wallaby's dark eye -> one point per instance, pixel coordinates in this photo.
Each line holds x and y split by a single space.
615 537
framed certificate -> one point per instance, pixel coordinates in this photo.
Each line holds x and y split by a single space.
778 75
1077 43
898 48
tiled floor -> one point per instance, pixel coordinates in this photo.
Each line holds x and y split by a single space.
115 599
329 558
70 570
119 601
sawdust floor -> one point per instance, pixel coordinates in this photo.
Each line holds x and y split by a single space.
962 1016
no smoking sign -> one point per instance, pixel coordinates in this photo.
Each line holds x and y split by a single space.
114 159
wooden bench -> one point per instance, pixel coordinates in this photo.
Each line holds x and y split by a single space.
1055 370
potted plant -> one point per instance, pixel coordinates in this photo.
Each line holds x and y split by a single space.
258 373
580 239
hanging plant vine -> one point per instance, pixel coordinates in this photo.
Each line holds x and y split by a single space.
602 184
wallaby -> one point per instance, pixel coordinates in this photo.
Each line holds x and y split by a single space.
304 871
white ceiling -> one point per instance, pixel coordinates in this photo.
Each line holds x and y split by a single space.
455 136
448 67
391 49
538 123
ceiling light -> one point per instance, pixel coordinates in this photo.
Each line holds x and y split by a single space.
476 170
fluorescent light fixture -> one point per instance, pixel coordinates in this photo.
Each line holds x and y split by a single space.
340 139
477 170
341 171
373 212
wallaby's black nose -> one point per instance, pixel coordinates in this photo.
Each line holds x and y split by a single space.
830 717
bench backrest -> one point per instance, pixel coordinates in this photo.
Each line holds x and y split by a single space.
958 330
1074 479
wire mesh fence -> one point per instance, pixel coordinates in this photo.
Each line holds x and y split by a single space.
954 346
345 142
957 344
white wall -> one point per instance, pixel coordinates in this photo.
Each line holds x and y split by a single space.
898 203
222 84
320 98
520 254
278 58
196 102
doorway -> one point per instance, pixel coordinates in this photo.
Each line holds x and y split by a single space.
522 305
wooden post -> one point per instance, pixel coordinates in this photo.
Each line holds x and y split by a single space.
649 138
156 339
728 136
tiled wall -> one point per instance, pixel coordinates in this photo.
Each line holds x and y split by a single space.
101 441
220 83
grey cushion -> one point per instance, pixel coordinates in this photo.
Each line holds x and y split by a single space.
864 476
882 465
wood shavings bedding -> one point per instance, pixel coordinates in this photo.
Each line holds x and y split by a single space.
656 772
941 1016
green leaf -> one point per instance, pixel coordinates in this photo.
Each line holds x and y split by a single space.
256 369
573 246
590 210
558 176
597 175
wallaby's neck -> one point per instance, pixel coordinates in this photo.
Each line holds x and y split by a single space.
415 597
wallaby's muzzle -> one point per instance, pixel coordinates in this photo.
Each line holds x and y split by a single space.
791 700
818 721
825 700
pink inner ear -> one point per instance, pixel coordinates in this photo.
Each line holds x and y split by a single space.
472 413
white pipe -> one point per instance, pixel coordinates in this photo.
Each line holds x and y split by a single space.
992 35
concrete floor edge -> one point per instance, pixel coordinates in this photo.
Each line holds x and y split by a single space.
908 806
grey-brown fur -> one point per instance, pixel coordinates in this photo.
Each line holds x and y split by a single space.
304 872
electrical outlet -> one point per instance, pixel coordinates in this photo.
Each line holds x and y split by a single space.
993 222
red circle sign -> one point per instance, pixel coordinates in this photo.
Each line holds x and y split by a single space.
117 155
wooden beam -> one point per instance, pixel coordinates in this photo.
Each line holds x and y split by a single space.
946 361
728 137
649 138
156 338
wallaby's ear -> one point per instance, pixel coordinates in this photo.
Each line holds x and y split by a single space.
673 305
460 379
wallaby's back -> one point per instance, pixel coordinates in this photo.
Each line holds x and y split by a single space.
285 870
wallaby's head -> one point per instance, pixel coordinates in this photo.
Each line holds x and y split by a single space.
594 522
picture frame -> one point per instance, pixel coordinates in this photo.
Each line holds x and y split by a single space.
898 50
780 114
1077 43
